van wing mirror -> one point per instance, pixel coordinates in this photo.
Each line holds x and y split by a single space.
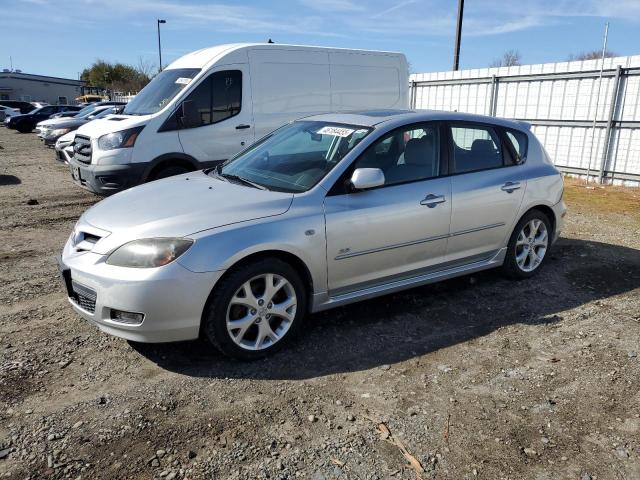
190 117
366 178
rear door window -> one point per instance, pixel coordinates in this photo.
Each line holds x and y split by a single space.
475 147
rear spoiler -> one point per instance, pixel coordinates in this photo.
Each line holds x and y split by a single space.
523 124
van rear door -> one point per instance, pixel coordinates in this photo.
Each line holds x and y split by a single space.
223 102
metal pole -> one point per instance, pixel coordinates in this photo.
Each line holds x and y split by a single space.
412 102
595 116
159 47
609 131
494 96
456 51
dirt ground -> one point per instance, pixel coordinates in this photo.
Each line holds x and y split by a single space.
477 377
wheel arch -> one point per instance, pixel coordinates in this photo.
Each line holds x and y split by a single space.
170 159
547 210
295 261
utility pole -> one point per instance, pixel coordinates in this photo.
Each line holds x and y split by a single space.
595 115
456 51
159 47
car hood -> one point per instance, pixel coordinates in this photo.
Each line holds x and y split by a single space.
114 123
179 206
65 123
67 137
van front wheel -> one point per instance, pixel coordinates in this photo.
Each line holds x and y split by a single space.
167 172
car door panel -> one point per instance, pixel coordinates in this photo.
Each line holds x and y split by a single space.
383 234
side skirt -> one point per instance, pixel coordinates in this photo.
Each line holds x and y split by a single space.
323 301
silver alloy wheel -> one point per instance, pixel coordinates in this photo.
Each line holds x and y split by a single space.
531 245
261 311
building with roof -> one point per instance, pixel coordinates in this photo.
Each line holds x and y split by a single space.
15 85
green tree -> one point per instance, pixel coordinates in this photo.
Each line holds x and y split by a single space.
115 76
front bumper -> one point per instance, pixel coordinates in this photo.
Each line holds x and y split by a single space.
171 298
106 179
50 141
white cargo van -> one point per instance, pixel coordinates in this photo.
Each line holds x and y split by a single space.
208 105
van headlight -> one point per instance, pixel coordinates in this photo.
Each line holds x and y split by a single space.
121 139
149 252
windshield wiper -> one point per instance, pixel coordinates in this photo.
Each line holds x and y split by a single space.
238 178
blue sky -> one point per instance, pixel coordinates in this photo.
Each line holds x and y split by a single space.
61 37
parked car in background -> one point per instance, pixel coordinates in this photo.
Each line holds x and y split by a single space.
40 104
208 105
77 114
64 147
26 122
325 211
24 107
7 112
51 130
67 114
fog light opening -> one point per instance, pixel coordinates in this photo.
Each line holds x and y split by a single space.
130 318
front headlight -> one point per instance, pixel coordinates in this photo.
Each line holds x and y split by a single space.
149 252
58 132
121 139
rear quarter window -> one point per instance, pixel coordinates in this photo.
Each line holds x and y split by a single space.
520 142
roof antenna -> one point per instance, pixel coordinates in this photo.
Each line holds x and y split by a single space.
270 41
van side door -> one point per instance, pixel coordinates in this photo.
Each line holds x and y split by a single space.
225 117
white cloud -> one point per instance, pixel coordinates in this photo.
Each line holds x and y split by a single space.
333 5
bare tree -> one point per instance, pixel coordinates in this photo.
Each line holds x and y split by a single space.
592 55
146 68
510 58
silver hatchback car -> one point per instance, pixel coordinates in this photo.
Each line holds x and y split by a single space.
325 211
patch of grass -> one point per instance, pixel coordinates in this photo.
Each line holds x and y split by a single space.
602 198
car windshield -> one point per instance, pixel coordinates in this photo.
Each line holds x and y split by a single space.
160 91
293 158
105 112
86 110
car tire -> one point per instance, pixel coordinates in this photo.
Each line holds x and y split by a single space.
24 127
248 326
528 247
168 172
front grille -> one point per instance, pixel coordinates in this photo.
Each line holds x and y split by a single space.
84 297
82 149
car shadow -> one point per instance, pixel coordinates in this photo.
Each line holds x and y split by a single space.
9 180
400 326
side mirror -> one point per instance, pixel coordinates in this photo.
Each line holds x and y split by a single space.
190 117
366 178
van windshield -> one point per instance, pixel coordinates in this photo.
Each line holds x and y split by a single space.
160 91
293 158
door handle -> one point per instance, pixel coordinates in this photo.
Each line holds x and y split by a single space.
242 127
432 200
509 187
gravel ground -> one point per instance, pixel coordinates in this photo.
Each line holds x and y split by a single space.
477 377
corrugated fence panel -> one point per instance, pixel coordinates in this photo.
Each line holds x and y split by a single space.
560 100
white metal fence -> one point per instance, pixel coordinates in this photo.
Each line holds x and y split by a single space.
560 100
123 97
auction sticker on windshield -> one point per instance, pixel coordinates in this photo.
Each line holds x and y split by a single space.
336 131
183 80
